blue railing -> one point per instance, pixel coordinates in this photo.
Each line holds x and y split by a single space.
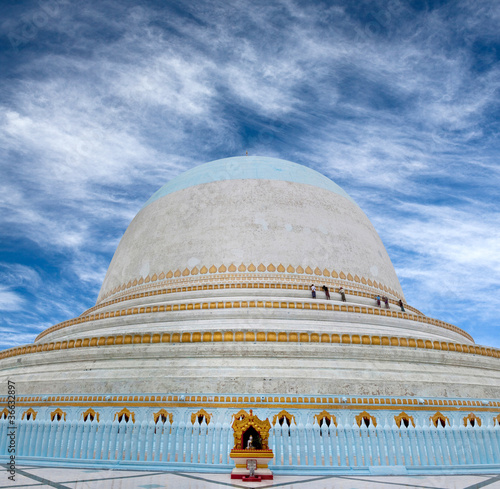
299 448
384 446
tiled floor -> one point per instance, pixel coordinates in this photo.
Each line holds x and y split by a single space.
38 478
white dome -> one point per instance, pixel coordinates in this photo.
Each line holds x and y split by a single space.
253 215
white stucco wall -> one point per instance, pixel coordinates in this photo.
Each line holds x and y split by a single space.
256 368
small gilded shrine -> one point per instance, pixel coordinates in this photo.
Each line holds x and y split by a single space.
251 453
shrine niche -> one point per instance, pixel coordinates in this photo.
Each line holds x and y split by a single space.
404 419
472 420
248 425
251 452
366 419
124 416
284 419
239 415
163 416
58 415
439 420
90 415
201 416
326 419
30 414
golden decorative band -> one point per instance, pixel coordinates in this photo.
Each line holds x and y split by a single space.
250 336
247 401
261 268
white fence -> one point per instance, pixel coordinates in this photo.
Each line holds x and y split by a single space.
295 447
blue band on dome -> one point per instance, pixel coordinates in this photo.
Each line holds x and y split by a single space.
248 167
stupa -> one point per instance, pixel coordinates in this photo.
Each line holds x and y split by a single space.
207 311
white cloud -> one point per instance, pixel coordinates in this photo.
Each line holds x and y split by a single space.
17 275
10 300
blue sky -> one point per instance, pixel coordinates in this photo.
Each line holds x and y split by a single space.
101 103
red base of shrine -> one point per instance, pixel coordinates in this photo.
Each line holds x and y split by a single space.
247 478
257 478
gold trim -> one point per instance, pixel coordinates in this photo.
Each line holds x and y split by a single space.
357 340
4 414
360 417
245 454
276 403
272 400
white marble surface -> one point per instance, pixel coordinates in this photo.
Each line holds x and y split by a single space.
41 478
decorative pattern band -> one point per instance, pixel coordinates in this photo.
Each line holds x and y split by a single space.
298 272
250 336
235 400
